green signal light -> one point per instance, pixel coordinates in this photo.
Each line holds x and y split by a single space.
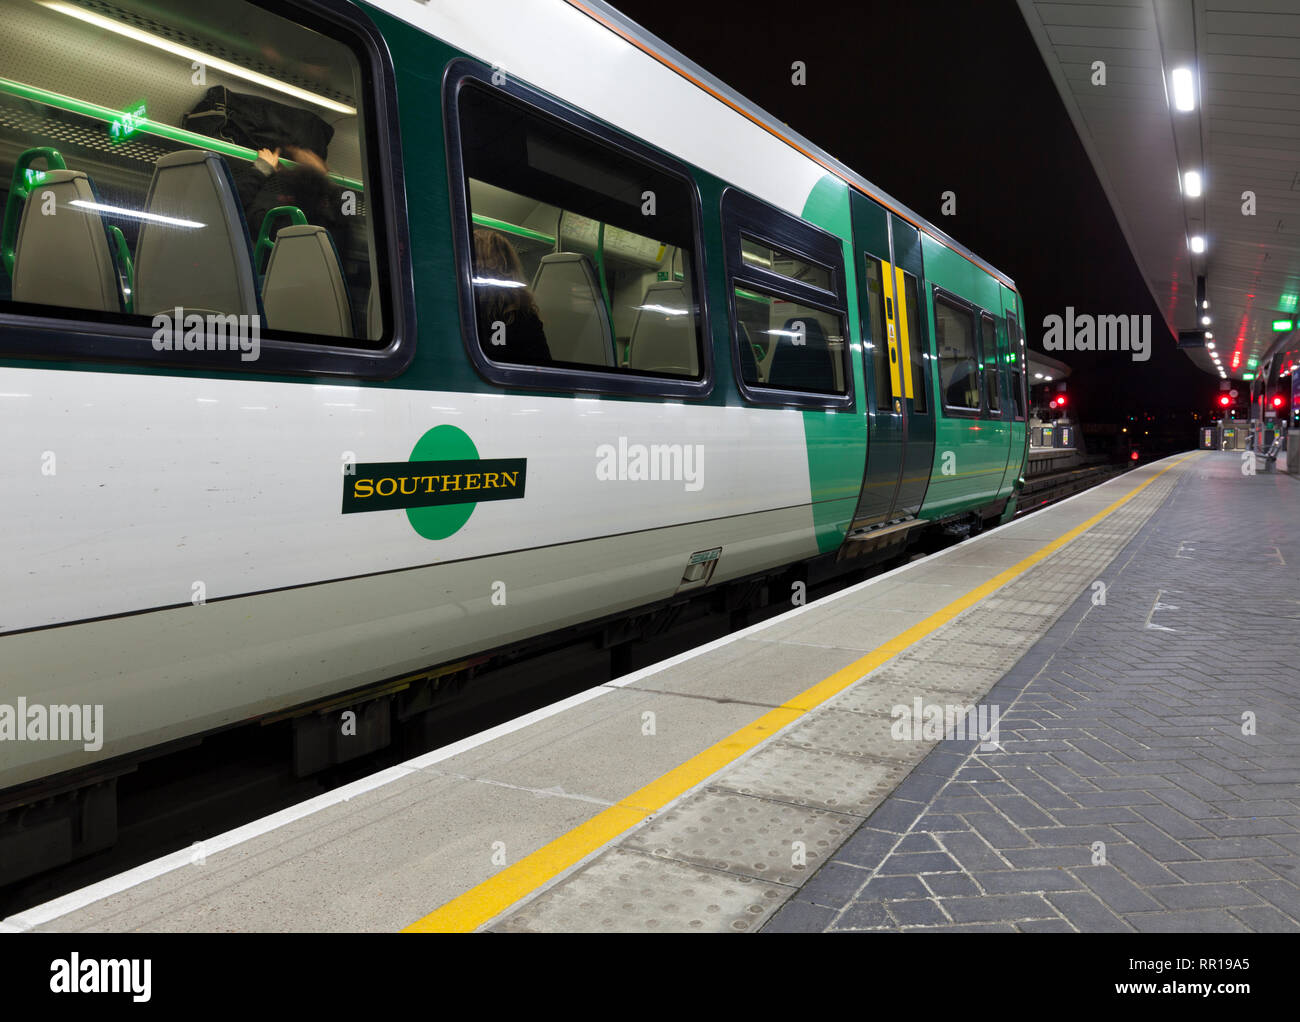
1283 324
1247 376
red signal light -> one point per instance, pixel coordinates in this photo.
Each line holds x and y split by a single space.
1061 400
1133 456
1277 402
1225 400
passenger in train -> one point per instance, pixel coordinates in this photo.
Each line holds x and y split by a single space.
509 324
264 184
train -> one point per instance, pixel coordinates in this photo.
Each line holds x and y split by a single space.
545 331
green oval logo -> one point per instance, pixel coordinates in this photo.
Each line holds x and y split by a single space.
442 443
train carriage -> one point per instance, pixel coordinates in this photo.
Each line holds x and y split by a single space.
259 461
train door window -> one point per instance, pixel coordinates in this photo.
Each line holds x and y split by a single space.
1015 359
959 377
879 339
919 343
129 145
989 352
785 278
581 253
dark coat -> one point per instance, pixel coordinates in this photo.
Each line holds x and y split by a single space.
525 340
316 195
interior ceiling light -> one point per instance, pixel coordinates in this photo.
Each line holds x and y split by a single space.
214 63
1192 184
1184 89
1198 243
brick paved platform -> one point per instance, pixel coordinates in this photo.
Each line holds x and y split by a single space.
1128 792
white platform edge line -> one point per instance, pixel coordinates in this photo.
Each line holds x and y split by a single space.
75 900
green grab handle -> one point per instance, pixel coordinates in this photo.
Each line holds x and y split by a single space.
264 242
127 266
18 192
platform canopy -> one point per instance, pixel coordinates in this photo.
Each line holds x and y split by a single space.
1200 106
1046 370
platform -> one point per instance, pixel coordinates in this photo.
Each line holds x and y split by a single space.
759 781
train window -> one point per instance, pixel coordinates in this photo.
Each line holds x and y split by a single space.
795 346
582 255
759 253
878 342
989 349
919 344
786 283
204 170
954 334
1016 361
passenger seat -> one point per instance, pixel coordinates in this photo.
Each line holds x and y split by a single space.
202 265
65 259
806 366
304 290
665 342
573 312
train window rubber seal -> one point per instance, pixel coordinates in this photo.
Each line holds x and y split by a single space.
463 72
744 214
76 336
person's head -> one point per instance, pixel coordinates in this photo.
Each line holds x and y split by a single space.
495 259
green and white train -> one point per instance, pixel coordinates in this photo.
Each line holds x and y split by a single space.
251 480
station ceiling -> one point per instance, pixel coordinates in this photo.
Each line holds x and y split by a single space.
1241 135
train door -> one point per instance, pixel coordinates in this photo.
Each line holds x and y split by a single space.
912 329
1013 358
885 418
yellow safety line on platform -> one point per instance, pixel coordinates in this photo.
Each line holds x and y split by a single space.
496 894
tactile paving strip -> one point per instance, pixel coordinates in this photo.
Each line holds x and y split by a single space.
852 734
629 892
880 700
754 837
814 777
969 654
914 675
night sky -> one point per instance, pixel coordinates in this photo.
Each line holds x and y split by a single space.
923 99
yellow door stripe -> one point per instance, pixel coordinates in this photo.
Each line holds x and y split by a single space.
905 347
496 894
887 292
